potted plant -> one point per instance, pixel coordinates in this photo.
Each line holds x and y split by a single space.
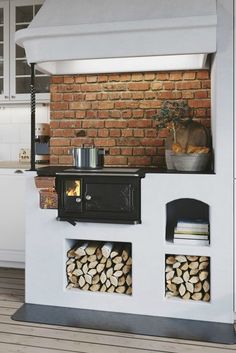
172 114
187 138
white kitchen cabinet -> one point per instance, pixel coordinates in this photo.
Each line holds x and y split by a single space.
12 220
14 70
4 49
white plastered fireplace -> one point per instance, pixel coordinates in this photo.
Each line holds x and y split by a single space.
47 239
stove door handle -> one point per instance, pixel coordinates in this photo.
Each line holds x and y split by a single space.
88 197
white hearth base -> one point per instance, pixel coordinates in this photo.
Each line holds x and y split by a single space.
46 247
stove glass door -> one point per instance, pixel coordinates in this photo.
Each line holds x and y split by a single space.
72 195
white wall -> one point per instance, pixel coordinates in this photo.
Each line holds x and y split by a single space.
15 128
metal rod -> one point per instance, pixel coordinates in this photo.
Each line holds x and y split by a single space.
32 102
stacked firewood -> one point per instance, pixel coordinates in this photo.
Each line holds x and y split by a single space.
98 266
187 277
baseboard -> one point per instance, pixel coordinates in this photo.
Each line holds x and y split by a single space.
12 258
12 264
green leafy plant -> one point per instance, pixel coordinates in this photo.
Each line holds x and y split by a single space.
173 114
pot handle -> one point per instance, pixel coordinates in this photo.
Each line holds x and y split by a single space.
87 145
71 152
102 151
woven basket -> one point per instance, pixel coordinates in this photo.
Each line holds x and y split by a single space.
191 162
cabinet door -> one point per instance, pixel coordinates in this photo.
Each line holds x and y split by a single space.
12 221
112 198
21 14
4 50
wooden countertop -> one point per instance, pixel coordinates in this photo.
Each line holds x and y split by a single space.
14 165
17 165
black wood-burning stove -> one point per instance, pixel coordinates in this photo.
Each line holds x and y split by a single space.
99 196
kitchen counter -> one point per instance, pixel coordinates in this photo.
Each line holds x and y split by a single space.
16 165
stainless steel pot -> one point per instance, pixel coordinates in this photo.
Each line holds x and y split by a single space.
88 157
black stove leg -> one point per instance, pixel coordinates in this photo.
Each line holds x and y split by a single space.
73 223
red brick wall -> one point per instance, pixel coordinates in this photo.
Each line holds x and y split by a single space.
114 111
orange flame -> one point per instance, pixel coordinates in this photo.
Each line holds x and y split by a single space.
74 191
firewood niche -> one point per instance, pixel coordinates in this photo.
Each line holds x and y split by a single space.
188 277
100 267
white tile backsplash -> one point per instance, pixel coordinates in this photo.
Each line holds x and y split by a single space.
5 152
15 128
10 133
42 115
14 152
24 131
5 116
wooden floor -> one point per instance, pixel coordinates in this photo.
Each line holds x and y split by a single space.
17 337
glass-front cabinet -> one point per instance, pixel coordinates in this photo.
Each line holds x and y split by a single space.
4 50
14 69
21 14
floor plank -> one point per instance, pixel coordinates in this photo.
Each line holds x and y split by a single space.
22 337
12 273
98 342
12 283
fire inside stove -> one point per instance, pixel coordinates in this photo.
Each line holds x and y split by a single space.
73 188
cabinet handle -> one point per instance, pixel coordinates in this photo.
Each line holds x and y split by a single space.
88 197
6 97
18 171
78 199
13 96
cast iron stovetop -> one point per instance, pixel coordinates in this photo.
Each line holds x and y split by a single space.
102 170
54 170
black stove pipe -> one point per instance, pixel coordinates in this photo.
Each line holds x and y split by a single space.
32 102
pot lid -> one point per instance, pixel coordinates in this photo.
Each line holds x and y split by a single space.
111 36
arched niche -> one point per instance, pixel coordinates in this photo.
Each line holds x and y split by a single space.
187 209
